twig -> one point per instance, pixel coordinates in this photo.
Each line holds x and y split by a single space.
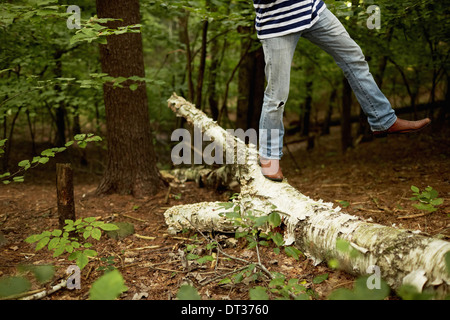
222 276
144 237
168 270
147 247
182 238
412 216
44 293
23 294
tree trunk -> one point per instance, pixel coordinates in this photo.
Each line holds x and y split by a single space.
201 69
184 38
131 167
61 109
250 83
327 121
346 123
306 114
213 70
402 256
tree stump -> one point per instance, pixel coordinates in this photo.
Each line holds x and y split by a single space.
65 194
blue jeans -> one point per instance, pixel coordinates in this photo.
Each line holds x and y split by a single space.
329 34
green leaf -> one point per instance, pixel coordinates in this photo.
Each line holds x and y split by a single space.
108 287
277 238
258 293
277 282
86 234
33 238
82 260
320 278
261 220
437 202
90 253
224 281
187 292
134 86
409 292
343 245
24 164
43 273
361 291
13 285
18 179
48 153
53 243
109 227
69 248
75 244
96 233
415 189
426 207
274 219
226 205
56 232
58 251
205 259
4 175
293 252
43 160
343 203
191 256
42 243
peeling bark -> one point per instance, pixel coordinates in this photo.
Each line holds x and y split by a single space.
313 226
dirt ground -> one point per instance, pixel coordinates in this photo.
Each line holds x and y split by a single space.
373 180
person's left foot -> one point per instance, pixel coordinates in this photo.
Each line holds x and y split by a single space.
271 169
404 126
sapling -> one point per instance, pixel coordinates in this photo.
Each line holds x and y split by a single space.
428 199
72 239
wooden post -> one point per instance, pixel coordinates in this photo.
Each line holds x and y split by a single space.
64 188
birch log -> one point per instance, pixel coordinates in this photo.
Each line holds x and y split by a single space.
313 226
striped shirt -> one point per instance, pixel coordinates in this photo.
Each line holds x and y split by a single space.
280 17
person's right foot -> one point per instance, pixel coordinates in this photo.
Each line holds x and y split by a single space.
404 126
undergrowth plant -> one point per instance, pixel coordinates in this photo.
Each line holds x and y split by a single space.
427 199
73 239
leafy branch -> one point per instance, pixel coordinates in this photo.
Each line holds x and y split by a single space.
24 165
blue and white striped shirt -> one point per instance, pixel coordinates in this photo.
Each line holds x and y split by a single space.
280 17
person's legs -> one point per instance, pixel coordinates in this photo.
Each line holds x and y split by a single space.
278 54
330 35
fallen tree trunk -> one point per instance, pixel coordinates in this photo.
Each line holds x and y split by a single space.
314 227
204 177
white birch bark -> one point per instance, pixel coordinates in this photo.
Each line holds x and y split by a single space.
313 226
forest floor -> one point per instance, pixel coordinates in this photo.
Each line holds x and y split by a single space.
372 180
